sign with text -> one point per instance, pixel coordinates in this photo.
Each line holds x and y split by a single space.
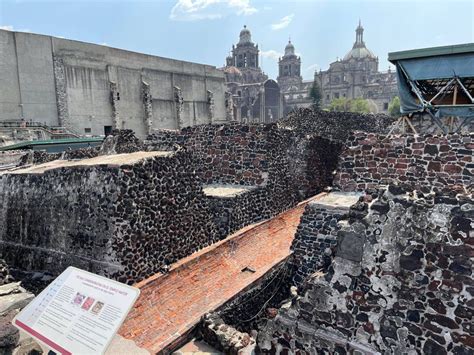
78 313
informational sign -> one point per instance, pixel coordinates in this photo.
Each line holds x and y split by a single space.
78 313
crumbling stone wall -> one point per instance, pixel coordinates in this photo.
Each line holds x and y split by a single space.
400 282
127 221
281 166
5 276
227 154
336 126
315 240
252 307
421 162
224 337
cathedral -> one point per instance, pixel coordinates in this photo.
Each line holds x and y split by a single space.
253 97
355 76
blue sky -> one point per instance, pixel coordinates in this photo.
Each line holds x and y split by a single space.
203 30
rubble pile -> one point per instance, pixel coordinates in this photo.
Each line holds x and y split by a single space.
13 298
5 276
224 337
334 125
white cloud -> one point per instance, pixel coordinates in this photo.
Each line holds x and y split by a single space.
10 28
283 23
194 10
272 54
242 7
312 67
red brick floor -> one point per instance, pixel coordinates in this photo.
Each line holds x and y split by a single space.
172 304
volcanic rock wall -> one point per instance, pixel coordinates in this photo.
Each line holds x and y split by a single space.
315 239
421 162
336 126
280 166
125 220
400 282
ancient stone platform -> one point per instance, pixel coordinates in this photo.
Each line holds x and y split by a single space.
226 191
116 159
171 304
336 200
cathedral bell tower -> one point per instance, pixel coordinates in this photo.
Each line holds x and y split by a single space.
289 69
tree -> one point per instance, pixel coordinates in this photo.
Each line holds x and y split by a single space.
359 105
315 94
394 107
341 104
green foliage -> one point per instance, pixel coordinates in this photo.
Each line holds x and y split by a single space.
359 105
394 107
341 104
346 105
316 95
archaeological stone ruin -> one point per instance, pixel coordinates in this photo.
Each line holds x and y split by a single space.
316 234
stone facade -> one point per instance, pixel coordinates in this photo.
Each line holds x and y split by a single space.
255 98
289 69
141 208
356 75
422 162
114 99
61 91
399 281
148 104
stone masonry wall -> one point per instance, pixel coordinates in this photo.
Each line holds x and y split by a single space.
336 126
282 167
128 221
421 162
400 282
315 239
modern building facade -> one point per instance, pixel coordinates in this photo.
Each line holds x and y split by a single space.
91 89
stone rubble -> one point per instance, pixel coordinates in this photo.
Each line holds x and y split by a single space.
13 298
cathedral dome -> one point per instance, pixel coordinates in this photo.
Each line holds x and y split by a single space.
359 50
359 53
245 35
289 49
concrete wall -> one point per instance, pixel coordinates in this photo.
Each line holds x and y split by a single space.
26 80
82 85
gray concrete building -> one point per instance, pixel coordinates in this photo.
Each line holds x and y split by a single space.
91 89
